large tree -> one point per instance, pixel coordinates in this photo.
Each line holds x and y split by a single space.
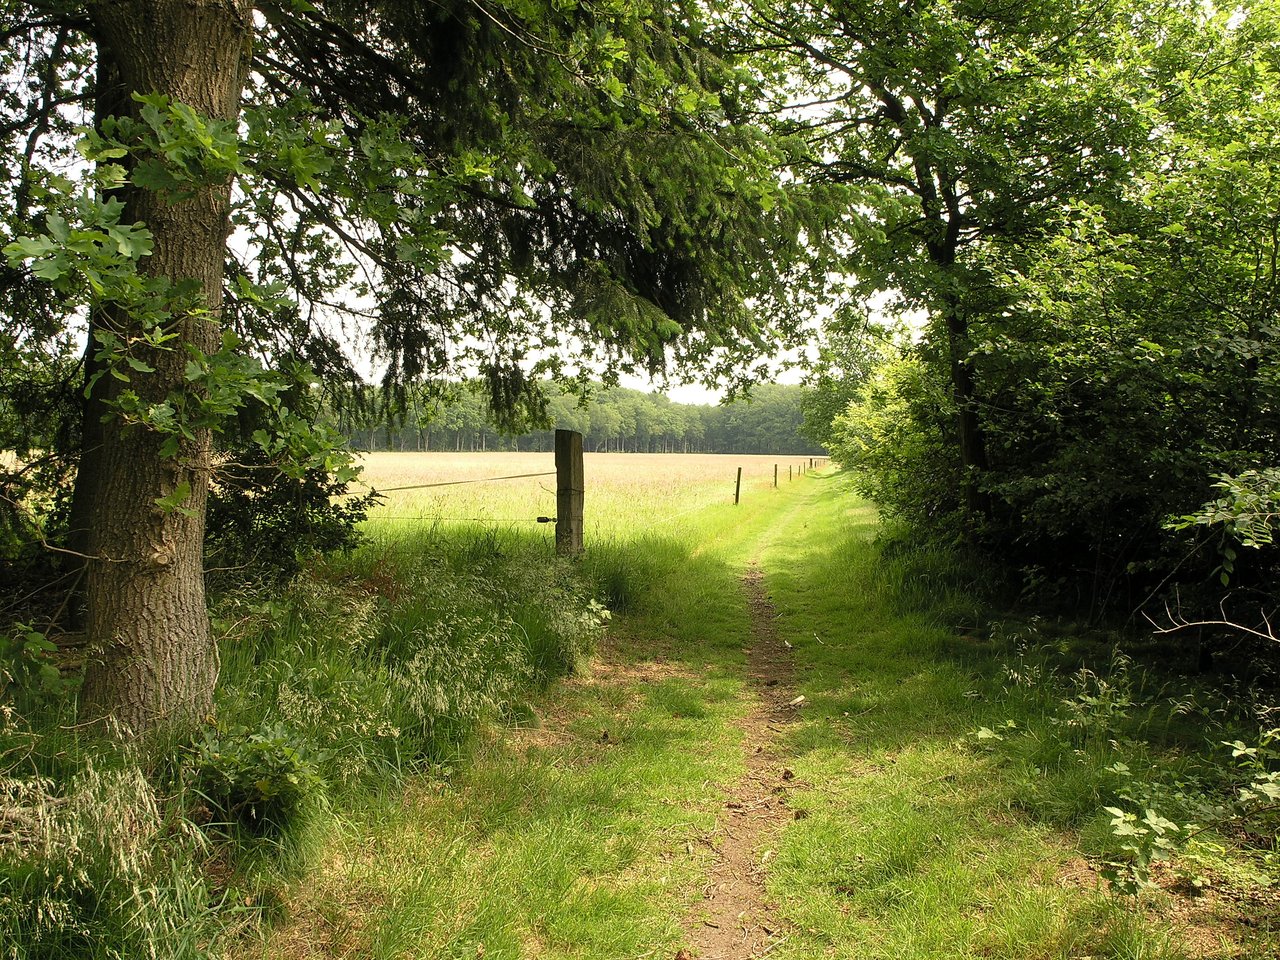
957 125
496 184
1131 357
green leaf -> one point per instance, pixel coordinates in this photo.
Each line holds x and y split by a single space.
153 174
174 501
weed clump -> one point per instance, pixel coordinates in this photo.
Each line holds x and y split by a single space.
1145 770
93 867
258 781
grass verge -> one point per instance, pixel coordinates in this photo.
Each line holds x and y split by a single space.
918 839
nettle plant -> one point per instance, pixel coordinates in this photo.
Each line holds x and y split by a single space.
1260 795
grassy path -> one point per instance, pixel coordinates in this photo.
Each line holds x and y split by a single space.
675 798
910 845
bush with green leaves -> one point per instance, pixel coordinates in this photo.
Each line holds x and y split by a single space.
1120 355
260 781
29 669
894 436
267 520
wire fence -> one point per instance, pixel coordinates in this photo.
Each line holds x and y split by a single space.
444 519
440 518
455 483
429 518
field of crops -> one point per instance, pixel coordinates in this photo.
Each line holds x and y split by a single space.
626 493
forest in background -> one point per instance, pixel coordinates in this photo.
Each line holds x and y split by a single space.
610 419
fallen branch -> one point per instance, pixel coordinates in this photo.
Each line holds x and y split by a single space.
1178 622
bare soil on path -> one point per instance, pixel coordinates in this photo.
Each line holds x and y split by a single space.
735 920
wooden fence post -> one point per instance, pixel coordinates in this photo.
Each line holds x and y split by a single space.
737 487
570 488
788 473
775 476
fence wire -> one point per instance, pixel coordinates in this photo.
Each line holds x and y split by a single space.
438 519
454 483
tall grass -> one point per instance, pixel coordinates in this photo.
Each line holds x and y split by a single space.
93 861
363 670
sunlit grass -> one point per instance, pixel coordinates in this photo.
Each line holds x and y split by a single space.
627 495
586 830
579 833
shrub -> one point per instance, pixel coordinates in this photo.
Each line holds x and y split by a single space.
261 782
895 436
261 517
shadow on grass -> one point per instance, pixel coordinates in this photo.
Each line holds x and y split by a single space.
574 835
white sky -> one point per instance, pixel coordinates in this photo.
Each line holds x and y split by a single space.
696 393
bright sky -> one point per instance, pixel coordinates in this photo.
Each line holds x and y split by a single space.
682 392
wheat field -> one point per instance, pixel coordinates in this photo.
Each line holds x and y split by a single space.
626 493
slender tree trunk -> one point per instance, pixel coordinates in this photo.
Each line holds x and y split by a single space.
154 661
973 447
970 436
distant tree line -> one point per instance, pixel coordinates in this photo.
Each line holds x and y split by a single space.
611 419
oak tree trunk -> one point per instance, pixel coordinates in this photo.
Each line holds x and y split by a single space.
154 658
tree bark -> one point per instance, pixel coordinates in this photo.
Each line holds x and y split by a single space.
154 660
972 440
970 436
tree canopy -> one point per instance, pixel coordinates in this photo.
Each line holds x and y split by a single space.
220 194
1123 359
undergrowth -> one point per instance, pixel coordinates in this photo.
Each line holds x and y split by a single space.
1146 767
363 670
1103 732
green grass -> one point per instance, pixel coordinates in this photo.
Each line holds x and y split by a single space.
460 800
581 837
917 842
587 837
